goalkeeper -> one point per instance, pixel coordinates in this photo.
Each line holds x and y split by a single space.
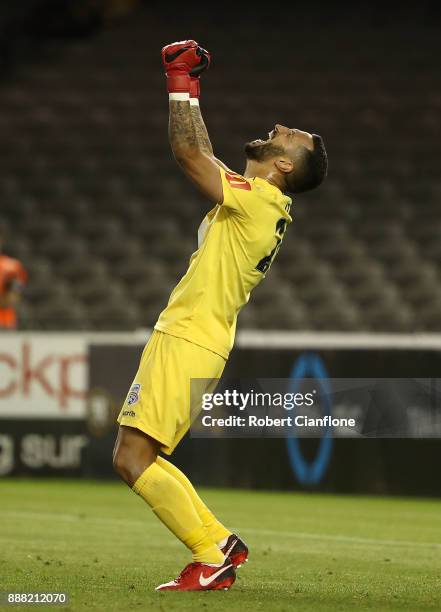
237 242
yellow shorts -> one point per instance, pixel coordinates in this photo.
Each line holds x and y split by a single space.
159 402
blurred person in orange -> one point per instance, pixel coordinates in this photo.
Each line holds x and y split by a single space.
13 278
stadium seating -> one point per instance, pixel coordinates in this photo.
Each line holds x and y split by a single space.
105 222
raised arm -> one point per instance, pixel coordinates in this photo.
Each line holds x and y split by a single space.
202 133
200 167
188 138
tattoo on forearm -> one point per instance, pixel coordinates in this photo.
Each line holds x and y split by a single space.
201 131
181 130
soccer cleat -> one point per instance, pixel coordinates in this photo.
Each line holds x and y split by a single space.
236 550
202 577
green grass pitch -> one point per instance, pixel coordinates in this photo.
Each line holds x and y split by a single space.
102 545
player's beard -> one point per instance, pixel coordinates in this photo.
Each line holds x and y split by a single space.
262 151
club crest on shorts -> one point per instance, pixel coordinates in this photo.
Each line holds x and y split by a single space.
133 395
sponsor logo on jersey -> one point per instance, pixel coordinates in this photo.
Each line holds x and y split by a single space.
237 182
129 413
133 396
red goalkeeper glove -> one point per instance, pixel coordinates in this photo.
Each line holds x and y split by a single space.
195 73
183 62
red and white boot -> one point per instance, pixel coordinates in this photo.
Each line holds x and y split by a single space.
202 577
236 550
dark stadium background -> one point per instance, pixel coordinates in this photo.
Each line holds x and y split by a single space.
95 208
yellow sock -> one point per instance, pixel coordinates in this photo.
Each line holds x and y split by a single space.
172 505
216 530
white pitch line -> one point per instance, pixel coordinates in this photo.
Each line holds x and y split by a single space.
62 516
340 538
285 534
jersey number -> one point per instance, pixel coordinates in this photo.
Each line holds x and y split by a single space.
265 262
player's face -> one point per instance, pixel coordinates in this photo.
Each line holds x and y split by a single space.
280 138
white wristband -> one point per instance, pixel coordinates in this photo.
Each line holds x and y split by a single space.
179 96
194 101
